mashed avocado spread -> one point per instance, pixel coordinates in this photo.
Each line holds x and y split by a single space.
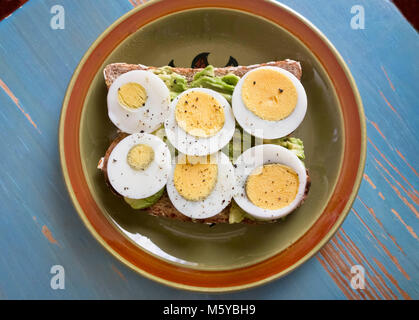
146 202
242 141
205 78
175 82
293 144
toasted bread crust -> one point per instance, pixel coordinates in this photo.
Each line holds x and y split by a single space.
164 207
114 70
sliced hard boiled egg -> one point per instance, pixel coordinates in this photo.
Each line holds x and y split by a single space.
269 102
200 122
138 101
139 166
201 187
271 181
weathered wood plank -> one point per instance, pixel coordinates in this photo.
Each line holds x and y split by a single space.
39 228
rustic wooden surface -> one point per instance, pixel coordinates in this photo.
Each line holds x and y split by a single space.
39 227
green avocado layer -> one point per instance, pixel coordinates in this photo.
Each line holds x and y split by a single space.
237 214
293 144
203 79
242 141
175 82
146 202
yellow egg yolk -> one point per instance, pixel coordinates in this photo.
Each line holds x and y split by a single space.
199 114
140 156
195 181
269 94
132 95
272 186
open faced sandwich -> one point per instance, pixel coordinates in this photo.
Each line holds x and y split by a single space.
210 145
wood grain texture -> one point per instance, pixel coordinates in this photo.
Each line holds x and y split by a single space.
39 227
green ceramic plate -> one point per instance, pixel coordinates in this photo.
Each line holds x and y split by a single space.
223 257
248 39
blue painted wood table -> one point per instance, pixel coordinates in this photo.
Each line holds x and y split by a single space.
39 227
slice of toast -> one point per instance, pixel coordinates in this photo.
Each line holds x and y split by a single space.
114 70
164 207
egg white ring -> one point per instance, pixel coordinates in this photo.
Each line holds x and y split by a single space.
218 199
146 118
199 146
139 184
267 129
256 157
